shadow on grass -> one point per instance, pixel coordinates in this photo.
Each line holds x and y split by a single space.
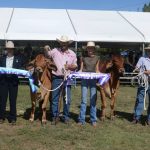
129 117
38 114
124 115
74 116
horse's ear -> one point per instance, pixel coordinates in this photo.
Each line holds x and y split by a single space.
50 64
109 64
47 61
30 65
32 62
53 67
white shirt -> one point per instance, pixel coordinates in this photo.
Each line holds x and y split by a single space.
9 62
143 64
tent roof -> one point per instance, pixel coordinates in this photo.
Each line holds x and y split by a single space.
39 24
80 25
141 21
103 26
5 15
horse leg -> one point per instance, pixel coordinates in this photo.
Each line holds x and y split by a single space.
103 105
113 99
112 105
33 103
46 99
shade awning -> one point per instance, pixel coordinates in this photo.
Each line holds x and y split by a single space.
79 25
105 26
5 15
39 24
141 21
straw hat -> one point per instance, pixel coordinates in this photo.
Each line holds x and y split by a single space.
90 44
64 39
9 44
148 47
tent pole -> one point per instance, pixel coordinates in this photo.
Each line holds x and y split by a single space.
76 46
143 50
76 50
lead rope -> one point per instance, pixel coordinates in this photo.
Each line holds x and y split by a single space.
41 85
48 90
65 78
143 82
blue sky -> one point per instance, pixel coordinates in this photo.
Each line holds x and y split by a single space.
127 5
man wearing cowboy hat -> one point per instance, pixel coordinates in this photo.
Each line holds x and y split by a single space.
9 83
143 65
66 61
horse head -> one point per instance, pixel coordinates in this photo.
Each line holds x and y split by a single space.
40 63
118 64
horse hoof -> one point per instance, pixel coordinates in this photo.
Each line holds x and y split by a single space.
44 122
102 119
112 118
31 120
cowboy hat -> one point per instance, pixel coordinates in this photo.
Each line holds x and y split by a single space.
10 45
64 39
90 44
148 47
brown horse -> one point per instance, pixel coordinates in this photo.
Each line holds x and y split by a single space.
114 66
42 73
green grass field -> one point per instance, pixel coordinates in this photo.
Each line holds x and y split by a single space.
119 134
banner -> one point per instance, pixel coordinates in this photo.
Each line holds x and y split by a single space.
102 77
20 72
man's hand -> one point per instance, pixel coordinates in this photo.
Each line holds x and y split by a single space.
147 72
70 67
80 71
136 70
66 66
46 50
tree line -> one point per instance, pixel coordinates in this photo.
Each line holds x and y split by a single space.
146 8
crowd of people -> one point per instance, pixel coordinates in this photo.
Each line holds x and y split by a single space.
66 61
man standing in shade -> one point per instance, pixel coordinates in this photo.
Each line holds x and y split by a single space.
143 65
9 84
66 61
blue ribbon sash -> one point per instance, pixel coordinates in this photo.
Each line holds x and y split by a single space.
102 77
20 72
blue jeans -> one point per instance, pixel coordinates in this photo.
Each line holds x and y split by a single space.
56 95
84 89
139 105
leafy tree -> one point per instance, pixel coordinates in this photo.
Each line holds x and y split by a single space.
146 8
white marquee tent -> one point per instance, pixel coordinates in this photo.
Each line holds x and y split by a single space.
79 25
